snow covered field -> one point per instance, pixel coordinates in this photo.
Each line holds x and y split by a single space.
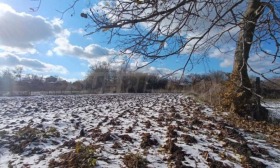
169 130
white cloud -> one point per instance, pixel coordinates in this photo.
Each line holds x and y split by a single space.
83 74
49 53
226 63
225 54
120 61
5 8
79 31
69 79
263 64
20 31
20 51
92 51
8 60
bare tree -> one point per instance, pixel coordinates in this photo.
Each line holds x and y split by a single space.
18 72
8 81
99 76
157 29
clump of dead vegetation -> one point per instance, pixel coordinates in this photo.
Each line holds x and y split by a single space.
177 155
126 137
132 160
27 135
51 132
216 163
147 141
23 137
171 131
83 157
3 133
129 129
188 139
105 137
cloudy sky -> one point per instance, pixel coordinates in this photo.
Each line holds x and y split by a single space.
44 42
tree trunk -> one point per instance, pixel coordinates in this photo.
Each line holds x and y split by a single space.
241 85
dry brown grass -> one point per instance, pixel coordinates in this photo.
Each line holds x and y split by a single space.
83 157
135 161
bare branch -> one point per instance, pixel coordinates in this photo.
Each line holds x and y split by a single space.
71 7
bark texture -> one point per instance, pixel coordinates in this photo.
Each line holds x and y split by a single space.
240 90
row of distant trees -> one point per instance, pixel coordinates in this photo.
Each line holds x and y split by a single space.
102 78
13 81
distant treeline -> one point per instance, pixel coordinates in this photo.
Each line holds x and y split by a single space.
104 79
100 79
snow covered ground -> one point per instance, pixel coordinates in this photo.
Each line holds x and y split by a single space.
169 130
274 108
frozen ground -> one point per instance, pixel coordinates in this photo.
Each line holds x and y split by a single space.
169 130
274 108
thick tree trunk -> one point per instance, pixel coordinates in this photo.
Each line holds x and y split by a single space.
240 102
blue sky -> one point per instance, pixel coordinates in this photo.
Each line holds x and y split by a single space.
44 44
